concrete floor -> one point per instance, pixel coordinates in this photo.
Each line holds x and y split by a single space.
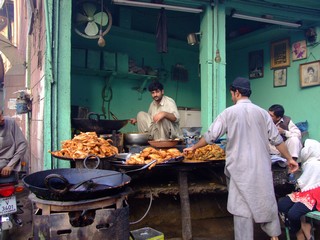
24 232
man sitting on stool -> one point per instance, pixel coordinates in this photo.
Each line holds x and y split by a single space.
289 131
162 119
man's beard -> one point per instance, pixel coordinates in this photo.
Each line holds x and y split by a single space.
157 99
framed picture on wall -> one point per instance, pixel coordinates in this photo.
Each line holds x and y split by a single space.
299 50
309 74
256 64
280 77
280 54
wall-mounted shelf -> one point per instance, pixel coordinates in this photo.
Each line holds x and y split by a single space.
113 74
140 77
106 73
92 72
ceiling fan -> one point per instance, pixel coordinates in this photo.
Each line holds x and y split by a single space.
92 19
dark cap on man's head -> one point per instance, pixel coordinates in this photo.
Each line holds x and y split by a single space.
241 82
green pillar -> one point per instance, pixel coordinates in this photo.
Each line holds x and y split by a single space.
219 68
57 110
48 79
213 76
206 62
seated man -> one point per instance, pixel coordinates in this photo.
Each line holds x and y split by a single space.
289 131
13 146
162 119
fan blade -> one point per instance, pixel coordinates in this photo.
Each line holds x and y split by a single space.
91 29
101 18
89 9
81 18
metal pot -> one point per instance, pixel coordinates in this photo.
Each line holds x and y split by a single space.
136 138
94 124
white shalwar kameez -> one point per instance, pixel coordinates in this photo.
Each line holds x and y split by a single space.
249 129
164 129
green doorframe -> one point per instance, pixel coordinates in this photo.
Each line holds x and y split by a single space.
219 74
48 79
206 61
213 76
57 105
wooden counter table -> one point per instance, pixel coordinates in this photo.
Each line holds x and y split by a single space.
206 177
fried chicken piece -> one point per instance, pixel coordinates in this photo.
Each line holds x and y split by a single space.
154 156
162 153
84 144
148 150
148 154
206 153
189 155
135 159
174 152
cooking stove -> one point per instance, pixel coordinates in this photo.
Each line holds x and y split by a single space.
94 219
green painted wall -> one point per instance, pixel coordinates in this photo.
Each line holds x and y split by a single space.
126 101
299 103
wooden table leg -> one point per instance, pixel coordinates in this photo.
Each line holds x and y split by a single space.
185 206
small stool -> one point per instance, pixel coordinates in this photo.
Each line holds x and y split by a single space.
314 215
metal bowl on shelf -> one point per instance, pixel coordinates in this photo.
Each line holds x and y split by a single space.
136 138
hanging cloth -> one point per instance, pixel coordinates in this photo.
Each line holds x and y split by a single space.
162 34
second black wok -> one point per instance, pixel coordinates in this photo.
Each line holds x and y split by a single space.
97 123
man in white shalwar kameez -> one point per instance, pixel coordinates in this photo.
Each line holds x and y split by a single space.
249 130
162 119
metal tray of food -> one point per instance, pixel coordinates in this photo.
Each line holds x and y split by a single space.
89 157
120 161
218 160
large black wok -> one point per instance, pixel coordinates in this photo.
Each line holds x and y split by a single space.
74 184
94 123
60 184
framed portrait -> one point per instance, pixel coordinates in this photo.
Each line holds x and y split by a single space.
256 64
299 50
309 74
280 77
280 54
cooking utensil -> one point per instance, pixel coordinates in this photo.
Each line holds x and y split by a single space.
95 123
105 186
140 139
113 116
56 184
88 182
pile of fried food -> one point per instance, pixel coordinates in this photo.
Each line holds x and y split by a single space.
149 153
84 144
206 153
